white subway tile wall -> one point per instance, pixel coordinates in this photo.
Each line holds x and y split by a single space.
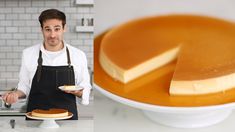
19 28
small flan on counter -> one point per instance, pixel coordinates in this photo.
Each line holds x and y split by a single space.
51 113
203 47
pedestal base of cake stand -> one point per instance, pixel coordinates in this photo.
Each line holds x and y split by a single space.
51 123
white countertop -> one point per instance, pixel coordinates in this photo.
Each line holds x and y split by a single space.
81 125
111 115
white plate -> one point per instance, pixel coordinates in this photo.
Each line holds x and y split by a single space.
182 117
76 88
48 122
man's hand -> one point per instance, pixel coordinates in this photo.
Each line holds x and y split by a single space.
10 97
77 93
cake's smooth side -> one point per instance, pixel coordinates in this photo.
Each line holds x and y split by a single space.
150 65
196 87
110 68
51 113
128 75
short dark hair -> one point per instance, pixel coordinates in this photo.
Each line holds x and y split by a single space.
52 14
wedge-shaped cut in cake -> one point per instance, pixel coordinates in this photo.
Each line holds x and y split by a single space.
205 65
203 46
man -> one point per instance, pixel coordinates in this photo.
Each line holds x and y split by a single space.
51 64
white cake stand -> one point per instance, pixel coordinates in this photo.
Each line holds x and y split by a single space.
181 117
48 122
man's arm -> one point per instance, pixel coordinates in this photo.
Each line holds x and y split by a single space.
84 81
77 93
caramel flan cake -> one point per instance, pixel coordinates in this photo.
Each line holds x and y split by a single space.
51 113
203 47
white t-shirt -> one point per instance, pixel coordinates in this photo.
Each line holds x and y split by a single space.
78 61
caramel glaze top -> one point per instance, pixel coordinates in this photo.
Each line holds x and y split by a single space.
206 44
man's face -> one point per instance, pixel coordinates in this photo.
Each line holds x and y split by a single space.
53 32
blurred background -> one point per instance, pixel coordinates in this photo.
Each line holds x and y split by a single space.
111 115
111 12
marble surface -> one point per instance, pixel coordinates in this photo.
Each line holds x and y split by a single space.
111 115
81 125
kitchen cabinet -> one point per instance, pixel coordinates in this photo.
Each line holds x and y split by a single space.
84 29
84 2
87 25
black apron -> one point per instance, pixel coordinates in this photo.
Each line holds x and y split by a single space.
45 94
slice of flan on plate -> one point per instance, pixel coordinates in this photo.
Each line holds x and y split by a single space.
203 46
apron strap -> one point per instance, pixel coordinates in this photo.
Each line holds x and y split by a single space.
69 63
68 57
39 68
